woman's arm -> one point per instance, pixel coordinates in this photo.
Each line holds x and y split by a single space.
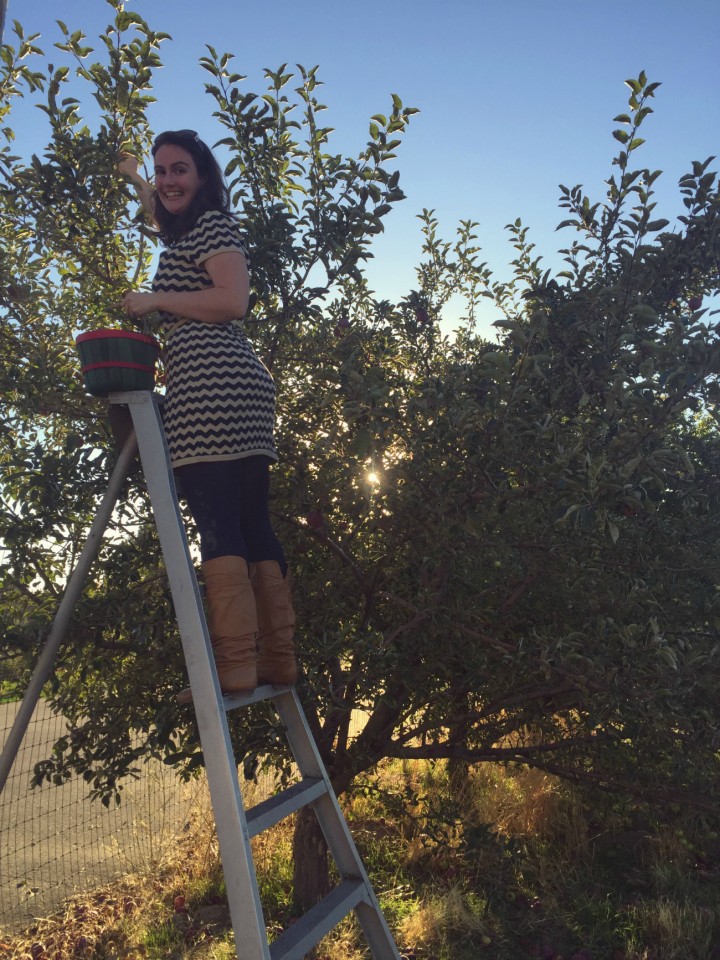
226 299
127 165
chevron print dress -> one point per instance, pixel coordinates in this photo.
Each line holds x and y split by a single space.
220 398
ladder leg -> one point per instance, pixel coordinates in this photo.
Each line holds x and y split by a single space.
73 590
221 769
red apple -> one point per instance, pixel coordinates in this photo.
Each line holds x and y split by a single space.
315 520
342 326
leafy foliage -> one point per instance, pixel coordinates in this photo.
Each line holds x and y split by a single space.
504 551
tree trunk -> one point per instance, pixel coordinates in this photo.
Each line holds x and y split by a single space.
311 874
459 778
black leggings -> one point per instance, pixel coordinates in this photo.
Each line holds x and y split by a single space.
228 500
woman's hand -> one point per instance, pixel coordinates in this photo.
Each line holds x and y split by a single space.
138 304
127 165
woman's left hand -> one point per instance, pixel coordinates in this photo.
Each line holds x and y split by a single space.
138 304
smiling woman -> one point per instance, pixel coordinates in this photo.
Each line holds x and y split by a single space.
219 410
188 185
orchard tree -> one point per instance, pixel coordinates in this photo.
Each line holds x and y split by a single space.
503 551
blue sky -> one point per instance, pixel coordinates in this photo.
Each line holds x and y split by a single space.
516 96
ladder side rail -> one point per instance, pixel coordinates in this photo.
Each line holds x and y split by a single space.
220 765
310 763
334 826
73 590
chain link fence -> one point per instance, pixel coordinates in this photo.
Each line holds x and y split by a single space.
56 842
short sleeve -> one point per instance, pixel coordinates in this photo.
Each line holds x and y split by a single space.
216 232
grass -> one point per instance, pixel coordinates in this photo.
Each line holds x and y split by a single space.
8 692
503 864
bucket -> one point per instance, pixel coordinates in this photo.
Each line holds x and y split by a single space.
117 360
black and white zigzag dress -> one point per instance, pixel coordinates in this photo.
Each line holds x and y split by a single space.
220 398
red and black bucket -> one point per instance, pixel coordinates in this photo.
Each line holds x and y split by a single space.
117 360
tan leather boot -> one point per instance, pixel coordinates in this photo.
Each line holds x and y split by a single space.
276 624
232 620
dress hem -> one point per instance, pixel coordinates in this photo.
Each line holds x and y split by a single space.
216 457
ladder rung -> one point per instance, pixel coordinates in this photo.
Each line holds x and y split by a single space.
302 936
266 814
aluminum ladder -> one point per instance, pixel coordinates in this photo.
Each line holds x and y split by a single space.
235 825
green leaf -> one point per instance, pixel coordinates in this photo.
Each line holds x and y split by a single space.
656 225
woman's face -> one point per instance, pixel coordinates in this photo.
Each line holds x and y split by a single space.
176 178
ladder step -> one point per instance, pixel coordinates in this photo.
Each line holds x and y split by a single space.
231 701
302 936
266 814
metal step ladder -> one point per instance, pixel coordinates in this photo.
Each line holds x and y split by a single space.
235 825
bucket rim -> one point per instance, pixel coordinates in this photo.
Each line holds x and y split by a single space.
111 332
117 364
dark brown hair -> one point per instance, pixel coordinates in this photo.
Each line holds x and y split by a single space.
213 193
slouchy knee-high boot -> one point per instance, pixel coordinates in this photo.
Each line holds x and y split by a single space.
232 620
276 624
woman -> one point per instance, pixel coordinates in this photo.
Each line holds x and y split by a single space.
219 410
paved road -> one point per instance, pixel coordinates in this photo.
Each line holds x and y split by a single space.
55 842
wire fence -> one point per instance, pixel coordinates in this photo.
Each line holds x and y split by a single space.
55 842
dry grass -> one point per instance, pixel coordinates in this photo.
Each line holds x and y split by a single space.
512 871
452 913
89 926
